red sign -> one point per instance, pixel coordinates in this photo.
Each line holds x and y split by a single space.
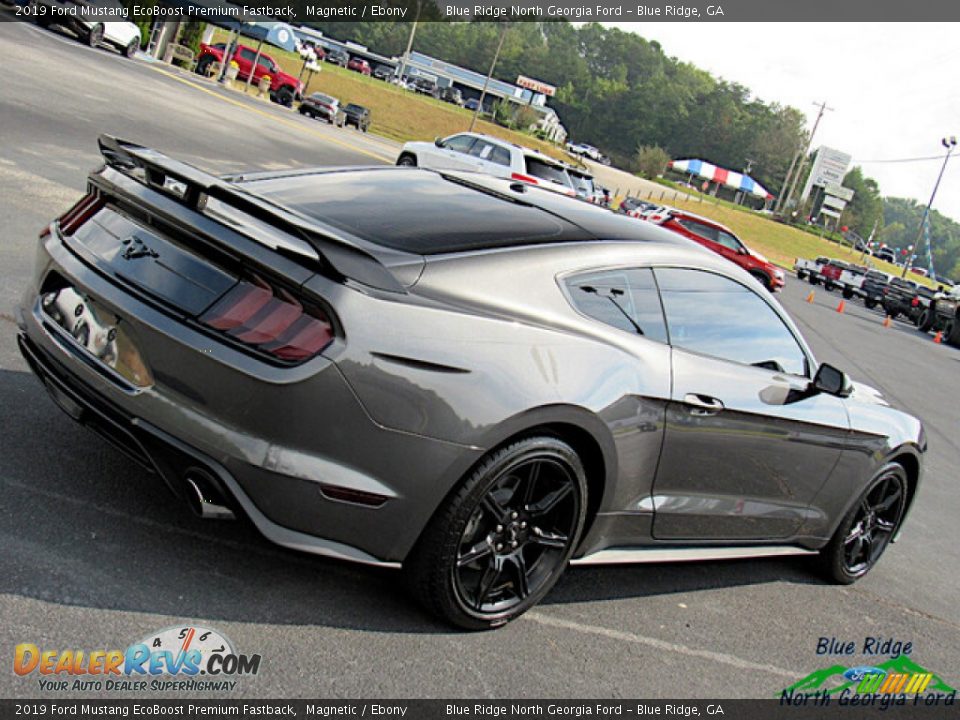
537 86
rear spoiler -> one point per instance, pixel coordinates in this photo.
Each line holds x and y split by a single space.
192 187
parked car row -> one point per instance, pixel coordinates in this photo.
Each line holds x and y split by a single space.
930 310
326 107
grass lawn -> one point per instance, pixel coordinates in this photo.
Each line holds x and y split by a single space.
397 114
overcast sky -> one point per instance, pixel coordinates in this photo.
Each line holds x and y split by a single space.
895 88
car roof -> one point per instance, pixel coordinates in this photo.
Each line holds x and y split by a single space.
427 212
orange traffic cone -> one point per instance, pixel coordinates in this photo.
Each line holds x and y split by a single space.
810 297
938 338
841 306
886 321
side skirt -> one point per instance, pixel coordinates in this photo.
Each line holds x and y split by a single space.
622 556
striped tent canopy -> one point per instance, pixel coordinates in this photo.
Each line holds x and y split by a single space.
729 178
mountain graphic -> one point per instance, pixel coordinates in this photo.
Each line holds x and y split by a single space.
831 680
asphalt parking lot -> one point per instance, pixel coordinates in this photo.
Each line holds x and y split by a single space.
96 554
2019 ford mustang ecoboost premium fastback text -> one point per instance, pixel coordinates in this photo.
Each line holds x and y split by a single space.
477 380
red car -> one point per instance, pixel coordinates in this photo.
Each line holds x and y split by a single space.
284 88
358 65
721 240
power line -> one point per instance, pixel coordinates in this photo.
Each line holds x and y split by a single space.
900 160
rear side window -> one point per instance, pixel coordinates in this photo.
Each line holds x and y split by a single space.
713 315
500 156
704 231
624 299
545 171
460 143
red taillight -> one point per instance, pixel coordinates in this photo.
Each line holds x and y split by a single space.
272 321
915 302
88 206
524 178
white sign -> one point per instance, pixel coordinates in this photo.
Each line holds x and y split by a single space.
830 167
838 191
536 86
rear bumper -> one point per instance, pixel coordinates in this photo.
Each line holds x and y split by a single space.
172 459
279 443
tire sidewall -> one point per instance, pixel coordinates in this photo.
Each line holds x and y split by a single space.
464 505
833 554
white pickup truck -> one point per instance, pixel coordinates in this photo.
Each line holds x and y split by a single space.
832 274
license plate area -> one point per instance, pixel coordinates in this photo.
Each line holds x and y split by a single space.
98 333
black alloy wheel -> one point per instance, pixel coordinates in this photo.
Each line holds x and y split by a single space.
868 527
498 545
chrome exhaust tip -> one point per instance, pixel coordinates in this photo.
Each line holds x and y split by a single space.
201 498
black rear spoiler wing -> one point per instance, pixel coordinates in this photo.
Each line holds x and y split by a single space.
191 187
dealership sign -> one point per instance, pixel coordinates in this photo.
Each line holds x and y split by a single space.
830 167
537 86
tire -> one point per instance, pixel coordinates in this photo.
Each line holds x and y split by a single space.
304 111
284 96
95 35
501 540
870 303
41 20
407 160
204 65
801 274
130 50
813 280
828 286
867 528
925 321
762 279
847 294
951 332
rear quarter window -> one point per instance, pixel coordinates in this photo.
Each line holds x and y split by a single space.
545 171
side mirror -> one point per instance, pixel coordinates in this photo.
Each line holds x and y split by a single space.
438 142
831 381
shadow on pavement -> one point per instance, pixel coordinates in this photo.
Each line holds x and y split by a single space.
86 527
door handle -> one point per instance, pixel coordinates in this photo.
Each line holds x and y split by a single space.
702 404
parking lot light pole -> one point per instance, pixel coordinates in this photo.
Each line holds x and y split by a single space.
486 83
949 143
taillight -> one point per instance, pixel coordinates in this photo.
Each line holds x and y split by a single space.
88 206
524 178
270 320
915 302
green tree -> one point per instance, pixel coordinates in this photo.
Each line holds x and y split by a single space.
866 208
651 160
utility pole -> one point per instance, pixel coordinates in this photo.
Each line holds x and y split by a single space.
486 83
803 159
413 32
949 143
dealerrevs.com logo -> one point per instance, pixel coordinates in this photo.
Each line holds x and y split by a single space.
175 659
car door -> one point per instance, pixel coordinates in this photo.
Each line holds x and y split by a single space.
244 58
453 154
490 158
746 447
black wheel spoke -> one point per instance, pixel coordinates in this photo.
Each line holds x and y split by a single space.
855 534
520 569
885 526
492 506
548 539
548 502
480 550
487 581
529 485
886 504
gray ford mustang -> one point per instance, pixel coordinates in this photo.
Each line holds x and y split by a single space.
473 379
